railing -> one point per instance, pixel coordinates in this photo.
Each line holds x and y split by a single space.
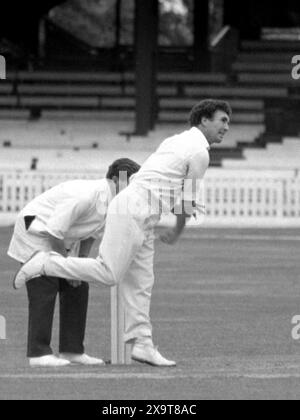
232 197
253 197
224 49
220 36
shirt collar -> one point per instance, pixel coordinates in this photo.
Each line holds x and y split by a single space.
198 133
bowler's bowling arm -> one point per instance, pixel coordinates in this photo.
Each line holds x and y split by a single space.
172 235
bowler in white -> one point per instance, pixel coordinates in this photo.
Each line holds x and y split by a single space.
167 179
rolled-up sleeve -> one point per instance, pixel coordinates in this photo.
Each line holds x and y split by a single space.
65 215
193 184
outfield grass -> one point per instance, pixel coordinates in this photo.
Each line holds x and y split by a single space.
222 308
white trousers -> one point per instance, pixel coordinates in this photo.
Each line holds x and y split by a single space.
125 257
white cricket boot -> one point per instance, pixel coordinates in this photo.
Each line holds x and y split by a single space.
82 359
33 268
149 354
49 361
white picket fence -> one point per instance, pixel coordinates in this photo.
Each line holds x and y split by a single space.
253 197
232 197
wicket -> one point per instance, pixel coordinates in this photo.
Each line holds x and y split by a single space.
120 351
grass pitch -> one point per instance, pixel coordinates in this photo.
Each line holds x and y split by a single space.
222 308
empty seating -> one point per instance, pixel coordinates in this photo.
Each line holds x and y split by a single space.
260 67
236 92
187 103
69 90
106 95
270 46
8 101
284 155
63 160
5 88
110 97
59 101
65 77
265 79
213 78
88 114
14 114
178 116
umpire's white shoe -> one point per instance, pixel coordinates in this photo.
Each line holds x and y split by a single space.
150 355
82 359
34 267
49 361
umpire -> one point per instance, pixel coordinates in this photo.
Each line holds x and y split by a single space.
66 219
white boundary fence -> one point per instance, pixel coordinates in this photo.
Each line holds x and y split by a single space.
232 197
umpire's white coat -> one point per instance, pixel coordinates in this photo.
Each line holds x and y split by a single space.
71 211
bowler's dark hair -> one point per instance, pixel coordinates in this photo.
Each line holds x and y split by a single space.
122 165
207 109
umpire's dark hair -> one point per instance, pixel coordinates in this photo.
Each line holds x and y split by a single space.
207 109
122 165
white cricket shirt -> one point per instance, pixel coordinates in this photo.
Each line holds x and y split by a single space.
174 171
72 211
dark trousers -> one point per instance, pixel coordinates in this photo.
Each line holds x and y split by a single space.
42 293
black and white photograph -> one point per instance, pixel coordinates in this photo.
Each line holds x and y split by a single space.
149 203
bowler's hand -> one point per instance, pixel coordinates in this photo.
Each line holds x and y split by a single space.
169 237
74 283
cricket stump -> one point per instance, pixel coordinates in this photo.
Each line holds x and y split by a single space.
120 351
